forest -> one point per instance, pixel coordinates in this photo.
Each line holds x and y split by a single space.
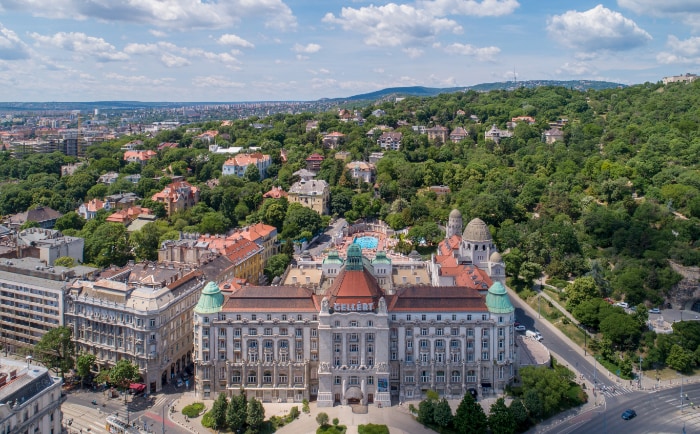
617 199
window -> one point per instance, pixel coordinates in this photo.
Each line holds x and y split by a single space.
501 356
268 343
269 317
440 377
252 331
253 317
424 376
252 377
337 337
409 333
284 317
454 317
424 344
222 332
439 331
424 357
299 333
455 358
283 331
409 379
298 379
454 343
470 356
393 317
370 361
485 344
314 333
500 319
267 377
424 331
354 380
484 317
408 317
336 323
469 317
236 377
299 318
439 317
423 317
454 331
470 333
439 344
354 348
484 355
409 344
152 322
336 380
501 331
501 343
471 376
237 333
353 323
394 355
409 358
370 337
370 323
268 331
353 337
370 380
238 317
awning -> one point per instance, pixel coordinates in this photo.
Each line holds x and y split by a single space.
138 387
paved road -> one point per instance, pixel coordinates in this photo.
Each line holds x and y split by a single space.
324 239
567 351
657 412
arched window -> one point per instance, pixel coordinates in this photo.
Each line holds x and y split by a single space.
252 377
267 377
456 377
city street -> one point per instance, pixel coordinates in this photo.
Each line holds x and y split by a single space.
80 415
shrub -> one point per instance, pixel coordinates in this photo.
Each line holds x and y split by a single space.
371 428
208 420
305 406
293 413
193 410
336 421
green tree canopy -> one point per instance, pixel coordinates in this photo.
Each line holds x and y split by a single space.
55 349
470 417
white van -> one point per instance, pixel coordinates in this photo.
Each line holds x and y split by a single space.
534 335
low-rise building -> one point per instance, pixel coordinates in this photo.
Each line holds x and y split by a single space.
438 133
239 164
390 141
43 216
30 399
48 245
495 134
313 162
361 171
333 140
140 157
458 134
178 196
314 194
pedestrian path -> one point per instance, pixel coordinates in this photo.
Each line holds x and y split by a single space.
609 392
79 419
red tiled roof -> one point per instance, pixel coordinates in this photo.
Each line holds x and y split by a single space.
275 193
352 286
240 250
315 157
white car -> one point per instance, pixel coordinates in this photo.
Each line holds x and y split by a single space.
520 328
622 304
654 310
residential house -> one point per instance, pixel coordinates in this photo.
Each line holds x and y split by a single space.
108 178
314 194
495 134
133 178
178 196
275 192
140 157
458 134
88 210
377 129
375 156
237 165
440 190
420 129
333 140
127 215
311 125
685 78
438 133
553 135
208 136
304 174
167 145
361 171
48 245
313 162
342 155
264 236
43 216
122 200
216 149
378 113
390 141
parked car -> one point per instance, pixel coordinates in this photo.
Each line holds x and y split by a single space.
622 304
629 414
654 310
520 328
534 335
516 323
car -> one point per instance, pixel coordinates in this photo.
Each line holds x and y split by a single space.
622 304
629 414
179 383
520 328
654 310
516 323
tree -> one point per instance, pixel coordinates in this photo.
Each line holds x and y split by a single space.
276 265
69 220
519 413
55 349
64 261
252 174
237 412
300 219
500 419
146 242
256 414
680 359
84 365
218 411
621 329
443 414
583 288
322 419
470 417
107 245
529 271
426 411
123 374
533 404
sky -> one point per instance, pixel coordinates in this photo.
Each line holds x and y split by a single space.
274 50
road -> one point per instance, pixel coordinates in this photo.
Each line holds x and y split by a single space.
80 415
657 412
566 350
324 239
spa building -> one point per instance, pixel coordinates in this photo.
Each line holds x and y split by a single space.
354 334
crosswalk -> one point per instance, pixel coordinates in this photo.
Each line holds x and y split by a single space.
609 391
81 419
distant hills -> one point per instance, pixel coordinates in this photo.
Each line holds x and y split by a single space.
383 94
484 87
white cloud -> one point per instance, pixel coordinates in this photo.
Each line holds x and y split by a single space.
82 44
11 46
575 68
175 14
215 81
682 51
173 61
308 49
686 11
138 79
230 39
158 33
172 55
393 25
413 52
484 8
595 30
482 54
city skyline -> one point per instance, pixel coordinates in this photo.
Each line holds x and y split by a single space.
199 50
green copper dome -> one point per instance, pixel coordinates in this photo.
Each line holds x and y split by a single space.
354 258
497 300
211 299
381 258
333 258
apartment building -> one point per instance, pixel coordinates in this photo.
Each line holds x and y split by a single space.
142 313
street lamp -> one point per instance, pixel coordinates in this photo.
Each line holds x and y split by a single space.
585 340
681 392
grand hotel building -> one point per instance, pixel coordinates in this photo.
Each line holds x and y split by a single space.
362 335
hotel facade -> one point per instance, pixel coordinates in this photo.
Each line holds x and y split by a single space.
357 338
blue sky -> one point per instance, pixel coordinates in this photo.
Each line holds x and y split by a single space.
255 50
